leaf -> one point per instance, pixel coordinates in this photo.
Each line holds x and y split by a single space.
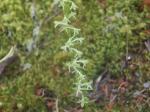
9 55
7 59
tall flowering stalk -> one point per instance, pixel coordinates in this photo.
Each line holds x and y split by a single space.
77 64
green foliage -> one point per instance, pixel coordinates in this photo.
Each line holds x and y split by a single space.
77 64
108 35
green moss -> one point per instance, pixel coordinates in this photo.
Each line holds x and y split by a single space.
105 45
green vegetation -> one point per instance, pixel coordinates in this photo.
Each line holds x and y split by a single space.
112 32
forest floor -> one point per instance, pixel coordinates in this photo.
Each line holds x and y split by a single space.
117 46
